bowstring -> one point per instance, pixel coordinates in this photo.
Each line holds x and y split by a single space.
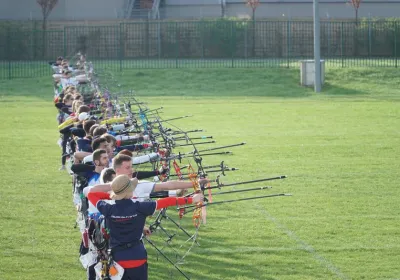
196 233
180 260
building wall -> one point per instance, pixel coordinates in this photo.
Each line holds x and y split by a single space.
301 10
65 9
94 9
295 9
190 12
181 9
28 9
339 9
191 2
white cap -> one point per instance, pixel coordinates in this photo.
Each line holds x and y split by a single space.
83 116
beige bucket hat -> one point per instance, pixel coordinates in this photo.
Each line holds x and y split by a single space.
121 186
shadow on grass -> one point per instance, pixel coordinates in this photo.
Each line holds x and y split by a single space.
361 81
222 265
333 89
268 82
214 83
224 256
37 88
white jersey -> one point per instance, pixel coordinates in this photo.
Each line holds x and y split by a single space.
88 158
95 180
141 193
143 190
69 82
145 158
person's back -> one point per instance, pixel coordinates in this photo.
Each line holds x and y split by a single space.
126 220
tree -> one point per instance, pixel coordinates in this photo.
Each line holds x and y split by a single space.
223 6
253 4
356 5
47 6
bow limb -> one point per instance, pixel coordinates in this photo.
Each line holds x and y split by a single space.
165 164
197 214
178 172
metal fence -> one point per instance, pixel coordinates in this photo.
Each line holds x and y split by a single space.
200 44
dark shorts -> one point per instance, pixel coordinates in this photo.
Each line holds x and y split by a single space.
137 273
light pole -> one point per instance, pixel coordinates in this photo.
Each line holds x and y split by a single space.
317 48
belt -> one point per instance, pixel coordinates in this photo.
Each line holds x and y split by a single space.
125 246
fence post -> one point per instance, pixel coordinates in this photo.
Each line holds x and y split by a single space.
202 28
120 46
177 44
245 40
288 42
254 37
65 41
342 44
395 43
33 41
8 54
147 37
232 42
329 37
369 38
159 38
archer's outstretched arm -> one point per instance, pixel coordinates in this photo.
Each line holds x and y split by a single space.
95 197
100 188
175 185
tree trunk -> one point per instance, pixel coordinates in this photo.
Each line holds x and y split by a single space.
356 17
44 24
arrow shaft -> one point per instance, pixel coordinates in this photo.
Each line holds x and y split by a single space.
184 132
177 118
238 183
191 138
200 143
218 148
247 182
243 190
194 207
210 171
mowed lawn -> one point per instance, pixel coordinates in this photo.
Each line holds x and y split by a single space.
340 150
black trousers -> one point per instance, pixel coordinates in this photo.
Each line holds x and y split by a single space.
65 138
91 273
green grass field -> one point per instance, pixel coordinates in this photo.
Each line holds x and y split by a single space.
339 149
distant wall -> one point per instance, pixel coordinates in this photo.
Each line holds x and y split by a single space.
184 9
65 9
301 10
339 9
